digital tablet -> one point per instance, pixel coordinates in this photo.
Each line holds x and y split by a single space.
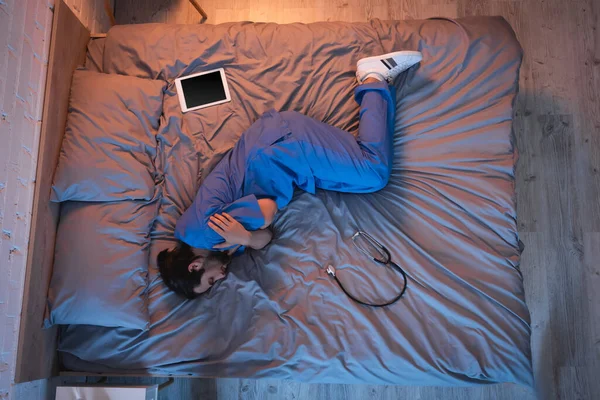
201 90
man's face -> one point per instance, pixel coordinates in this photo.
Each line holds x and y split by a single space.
215 269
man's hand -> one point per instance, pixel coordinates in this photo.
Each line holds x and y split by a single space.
229 229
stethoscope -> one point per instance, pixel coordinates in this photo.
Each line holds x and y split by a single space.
385 259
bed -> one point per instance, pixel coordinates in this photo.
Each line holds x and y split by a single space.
448 215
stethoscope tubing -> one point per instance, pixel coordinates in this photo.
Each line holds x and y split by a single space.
388 262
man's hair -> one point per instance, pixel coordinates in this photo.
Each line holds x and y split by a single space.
174 269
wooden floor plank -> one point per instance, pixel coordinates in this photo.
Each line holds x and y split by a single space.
533 265
591 368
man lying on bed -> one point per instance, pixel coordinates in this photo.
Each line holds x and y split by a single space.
238 200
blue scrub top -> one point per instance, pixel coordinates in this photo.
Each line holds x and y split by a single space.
269 161
238 181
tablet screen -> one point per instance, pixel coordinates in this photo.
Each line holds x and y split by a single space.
203 89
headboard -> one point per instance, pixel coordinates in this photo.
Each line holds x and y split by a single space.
36 354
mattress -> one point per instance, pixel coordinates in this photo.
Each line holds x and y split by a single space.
447 216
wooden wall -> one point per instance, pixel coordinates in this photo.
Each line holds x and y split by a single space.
37 347
91 14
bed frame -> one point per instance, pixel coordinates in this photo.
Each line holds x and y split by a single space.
37 347
36 353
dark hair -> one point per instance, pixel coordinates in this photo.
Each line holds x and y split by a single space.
174 269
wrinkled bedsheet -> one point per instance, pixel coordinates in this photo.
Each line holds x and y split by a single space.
448 215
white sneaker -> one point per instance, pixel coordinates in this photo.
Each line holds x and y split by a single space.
386 67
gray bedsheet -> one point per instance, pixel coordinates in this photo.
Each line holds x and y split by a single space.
448 215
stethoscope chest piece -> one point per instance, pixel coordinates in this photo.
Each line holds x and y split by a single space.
331 270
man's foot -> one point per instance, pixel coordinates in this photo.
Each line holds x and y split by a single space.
386 67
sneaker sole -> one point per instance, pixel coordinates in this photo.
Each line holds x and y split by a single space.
416 54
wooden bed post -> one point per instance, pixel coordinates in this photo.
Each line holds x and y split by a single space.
200 10
36 353
109 12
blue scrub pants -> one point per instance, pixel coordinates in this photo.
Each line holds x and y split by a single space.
338 160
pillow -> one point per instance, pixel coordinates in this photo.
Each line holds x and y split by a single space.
100 271
110 140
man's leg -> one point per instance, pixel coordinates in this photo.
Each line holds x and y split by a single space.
340 162
376 126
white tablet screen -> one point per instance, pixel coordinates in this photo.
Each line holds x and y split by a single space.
203 89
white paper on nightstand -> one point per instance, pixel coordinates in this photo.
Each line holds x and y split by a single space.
106 393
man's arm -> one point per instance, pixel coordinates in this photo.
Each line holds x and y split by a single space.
234 233
259 238
268 208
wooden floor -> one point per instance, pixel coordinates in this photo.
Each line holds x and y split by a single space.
558 187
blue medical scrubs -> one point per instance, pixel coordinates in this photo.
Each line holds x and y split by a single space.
283 150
